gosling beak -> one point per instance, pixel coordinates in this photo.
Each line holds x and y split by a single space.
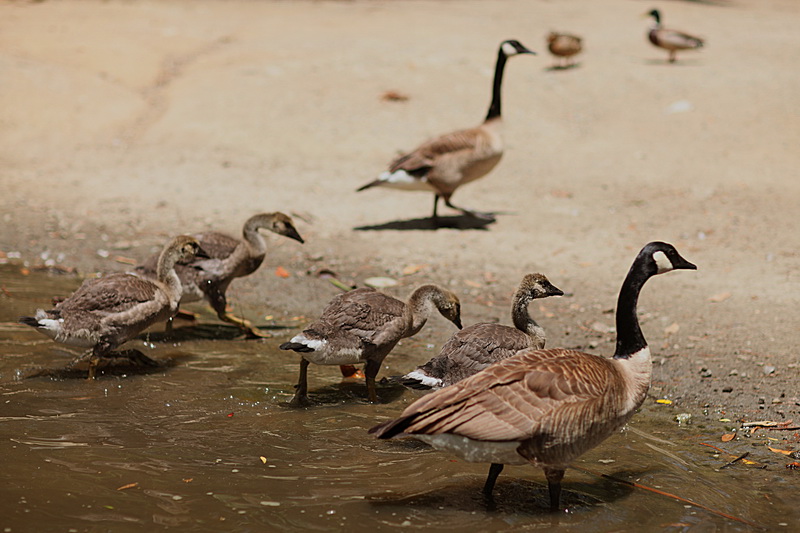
293 234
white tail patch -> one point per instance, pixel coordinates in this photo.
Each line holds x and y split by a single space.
314 344
400 179
662 262
425 379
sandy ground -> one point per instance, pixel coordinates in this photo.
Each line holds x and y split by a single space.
122 123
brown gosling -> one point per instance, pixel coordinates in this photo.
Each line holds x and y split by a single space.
230 258
363 326
109 311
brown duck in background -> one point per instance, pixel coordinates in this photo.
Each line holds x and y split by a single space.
544 407
670 40
564 46
445 163
363 326
229 258
109 311
477 346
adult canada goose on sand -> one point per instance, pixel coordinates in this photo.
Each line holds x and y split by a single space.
109 311
443 164
544 407
670 40
477 346
564 46
229 258
363 326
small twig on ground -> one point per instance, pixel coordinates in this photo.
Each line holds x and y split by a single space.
729 463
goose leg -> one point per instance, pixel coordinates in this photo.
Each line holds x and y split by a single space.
469 212
220 303
672 56
434 216
371 370
100 350
300 398
554 477
491 479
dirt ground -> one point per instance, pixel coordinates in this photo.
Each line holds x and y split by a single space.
123 123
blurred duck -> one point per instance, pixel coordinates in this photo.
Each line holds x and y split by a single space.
670 40
544 407
477 346
229 258
109 311
363 326
563 46
445 163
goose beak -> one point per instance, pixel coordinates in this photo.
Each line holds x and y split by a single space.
457 322
202 254
293 234
686 265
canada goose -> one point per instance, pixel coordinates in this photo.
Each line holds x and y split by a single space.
230 258
109 311
544 407
443 164
363 326
670 40
477 346
563 46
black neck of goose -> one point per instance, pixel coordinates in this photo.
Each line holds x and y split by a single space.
494 107
630 338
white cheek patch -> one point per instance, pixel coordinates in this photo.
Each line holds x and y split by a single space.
509 50
662 262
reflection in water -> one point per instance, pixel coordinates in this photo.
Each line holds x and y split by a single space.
205 442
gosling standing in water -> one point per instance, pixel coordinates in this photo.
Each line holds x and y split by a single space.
109 311
363 326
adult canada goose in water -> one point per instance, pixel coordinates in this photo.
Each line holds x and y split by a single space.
670 40
544 407
443 164
477 346
563 46
363 326
109 311
230 258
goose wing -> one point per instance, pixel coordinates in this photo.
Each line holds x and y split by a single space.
677 40
474 348
216 245
424 157
371 315
529 394
110 294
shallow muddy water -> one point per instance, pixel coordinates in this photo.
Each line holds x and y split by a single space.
205 442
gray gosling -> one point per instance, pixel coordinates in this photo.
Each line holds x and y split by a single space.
229 258
363 326
107 312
